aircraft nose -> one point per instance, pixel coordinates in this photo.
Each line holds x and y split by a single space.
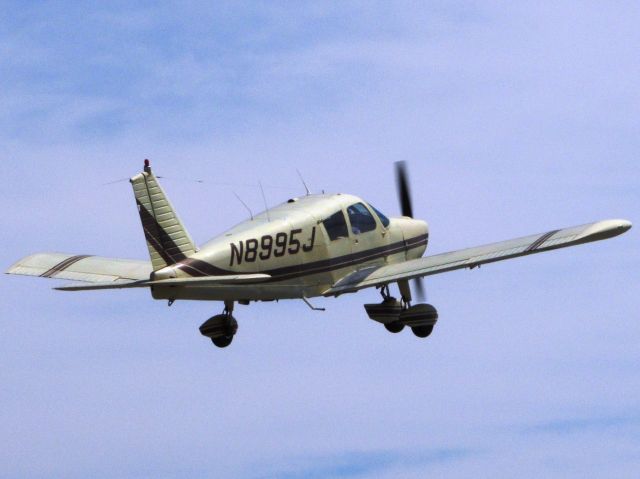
414 228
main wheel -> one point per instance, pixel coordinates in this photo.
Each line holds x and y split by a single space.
394 327
222 341
422 331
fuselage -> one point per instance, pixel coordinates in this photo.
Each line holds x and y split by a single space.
305 244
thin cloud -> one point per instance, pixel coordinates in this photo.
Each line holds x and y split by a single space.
581 425
364 464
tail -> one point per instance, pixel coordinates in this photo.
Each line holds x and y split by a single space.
167 238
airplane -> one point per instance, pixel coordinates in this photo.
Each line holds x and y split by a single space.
316 245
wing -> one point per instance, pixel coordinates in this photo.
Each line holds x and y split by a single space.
473 257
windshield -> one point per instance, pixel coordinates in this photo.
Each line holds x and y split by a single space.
383 219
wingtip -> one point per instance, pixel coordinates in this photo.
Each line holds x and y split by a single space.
606 229
619 225
626 225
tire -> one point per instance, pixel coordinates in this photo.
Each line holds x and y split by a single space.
394 327
222 341
422 331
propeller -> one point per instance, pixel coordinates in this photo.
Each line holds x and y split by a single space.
421 295
406 207
402 183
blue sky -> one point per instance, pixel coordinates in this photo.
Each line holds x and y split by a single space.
515 118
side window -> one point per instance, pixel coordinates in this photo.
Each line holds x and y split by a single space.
360 218
383 219
336 226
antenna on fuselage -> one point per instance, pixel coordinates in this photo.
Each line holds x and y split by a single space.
264 198
302 179
244 204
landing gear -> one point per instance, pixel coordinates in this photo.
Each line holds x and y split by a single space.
395 315
386 312
422 331
394 326
221 328
222 341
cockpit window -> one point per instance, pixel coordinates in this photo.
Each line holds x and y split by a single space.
336 226
360 218
383 219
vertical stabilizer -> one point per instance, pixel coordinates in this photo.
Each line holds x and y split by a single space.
167 238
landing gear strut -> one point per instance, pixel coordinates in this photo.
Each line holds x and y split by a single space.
386 312
221 328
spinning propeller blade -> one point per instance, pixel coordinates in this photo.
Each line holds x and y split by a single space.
419 288
406 206
402 183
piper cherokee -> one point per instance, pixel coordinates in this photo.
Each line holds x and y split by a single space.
314 245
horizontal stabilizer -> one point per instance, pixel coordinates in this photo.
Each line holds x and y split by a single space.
91 269
121 284
175 282
205 280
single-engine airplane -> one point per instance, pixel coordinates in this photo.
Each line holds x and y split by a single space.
310 246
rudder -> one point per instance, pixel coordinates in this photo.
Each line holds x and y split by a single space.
167 238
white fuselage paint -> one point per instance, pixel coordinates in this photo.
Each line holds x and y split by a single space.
292 245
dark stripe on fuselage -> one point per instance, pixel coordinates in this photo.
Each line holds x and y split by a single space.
202 268
352 259
196 267
541 240
62 265
158 238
